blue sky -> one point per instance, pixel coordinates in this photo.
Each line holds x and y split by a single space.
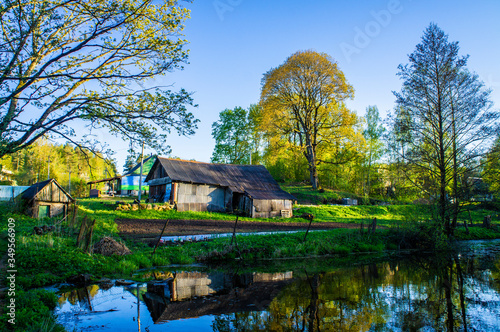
234 42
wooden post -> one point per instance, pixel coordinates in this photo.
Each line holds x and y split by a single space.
138 309
88 245
308 227
373 225
140 175
73 217
234 230
466 227
487 221
174 193
159 239
83 226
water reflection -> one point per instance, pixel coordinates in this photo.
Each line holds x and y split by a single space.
452 292
194 294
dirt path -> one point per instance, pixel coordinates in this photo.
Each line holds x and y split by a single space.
148 228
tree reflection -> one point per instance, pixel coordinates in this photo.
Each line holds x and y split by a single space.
420 293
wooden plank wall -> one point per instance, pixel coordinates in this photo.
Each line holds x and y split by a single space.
52 193
200 197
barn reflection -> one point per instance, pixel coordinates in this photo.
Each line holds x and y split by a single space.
195 294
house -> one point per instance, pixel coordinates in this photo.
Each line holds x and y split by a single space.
130 181
46 199
197 186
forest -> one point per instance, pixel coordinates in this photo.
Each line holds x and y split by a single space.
71 166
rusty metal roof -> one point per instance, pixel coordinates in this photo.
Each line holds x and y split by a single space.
252 180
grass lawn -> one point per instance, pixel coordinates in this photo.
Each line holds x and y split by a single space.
387 215
391 215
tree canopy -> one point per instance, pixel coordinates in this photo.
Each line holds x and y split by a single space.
302 100
71 166
233 137
64 62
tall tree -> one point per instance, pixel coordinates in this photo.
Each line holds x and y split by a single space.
375 148
233 137
446 112
302 98
63 62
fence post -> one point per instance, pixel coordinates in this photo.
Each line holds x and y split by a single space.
83 227
310 217
234 230
159 239
88 246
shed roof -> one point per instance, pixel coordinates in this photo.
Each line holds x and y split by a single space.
146 166
253 180
31 193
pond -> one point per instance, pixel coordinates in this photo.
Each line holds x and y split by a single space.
457 291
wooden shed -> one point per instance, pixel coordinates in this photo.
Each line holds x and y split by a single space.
46 199
197 186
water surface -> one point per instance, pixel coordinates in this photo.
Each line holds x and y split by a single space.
458 291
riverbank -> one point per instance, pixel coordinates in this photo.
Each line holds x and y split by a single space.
54 257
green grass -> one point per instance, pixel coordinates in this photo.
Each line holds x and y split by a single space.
248 248
390 215
387 215
34 312
307 195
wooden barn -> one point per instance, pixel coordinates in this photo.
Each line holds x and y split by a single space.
46 199
196 186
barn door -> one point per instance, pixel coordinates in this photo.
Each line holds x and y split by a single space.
43 211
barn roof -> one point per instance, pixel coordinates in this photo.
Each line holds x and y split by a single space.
31 193
253 180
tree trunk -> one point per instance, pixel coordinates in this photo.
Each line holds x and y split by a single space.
456 203
310 154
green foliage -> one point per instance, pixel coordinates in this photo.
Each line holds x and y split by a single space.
387 215
34 312
477 233
338 241
233 137
491 172
114 50
31 165
297 118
